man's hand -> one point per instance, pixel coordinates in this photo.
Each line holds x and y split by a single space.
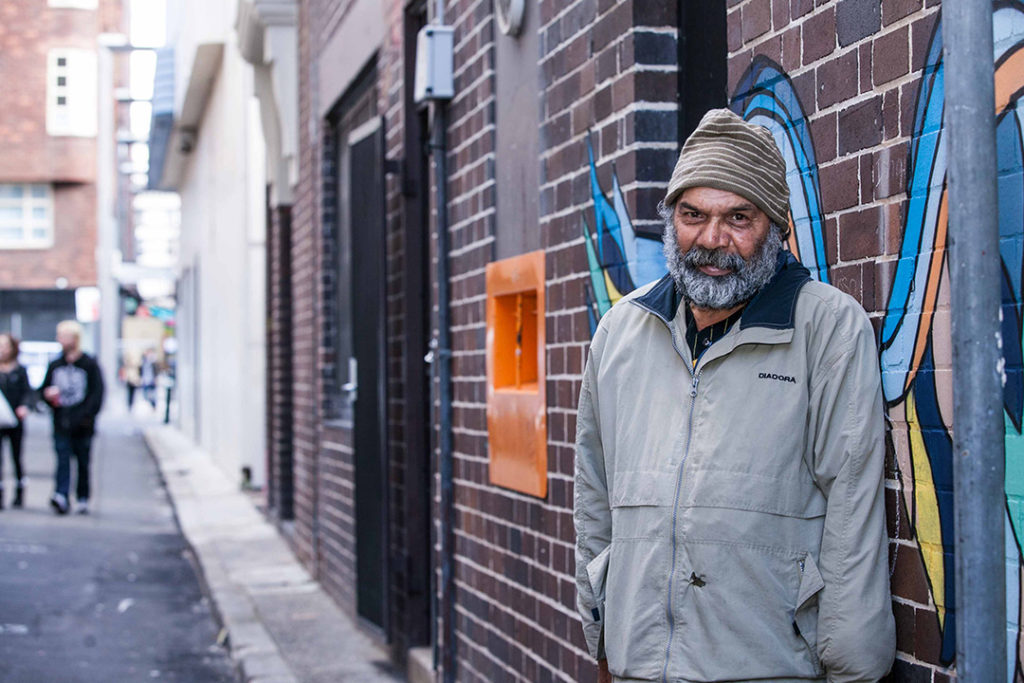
21 412
603 675
52 395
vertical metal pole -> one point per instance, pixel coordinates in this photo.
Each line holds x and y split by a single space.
978 431
444 373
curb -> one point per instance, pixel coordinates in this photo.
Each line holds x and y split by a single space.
209 511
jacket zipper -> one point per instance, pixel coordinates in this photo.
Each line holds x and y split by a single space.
675 514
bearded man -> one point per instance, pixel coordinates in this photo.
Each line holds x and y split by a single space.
729 504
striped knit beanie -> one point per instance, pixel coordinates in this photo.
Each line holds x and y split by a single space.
727 153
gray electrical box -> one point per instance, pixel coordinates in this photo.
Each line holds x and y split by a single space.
435 46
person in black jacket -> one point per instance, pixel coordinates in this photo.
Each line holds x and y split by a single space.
73 387
15 388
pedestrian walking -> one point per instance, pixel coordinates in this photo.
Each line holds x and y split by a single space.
729 506
148 374
17 392
132 379
73 387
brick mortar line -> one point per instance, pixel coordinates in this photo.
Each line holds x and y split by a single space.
466 67
472 646
480 133
527 652
512 495
463 173
481 106
459 19
475 29
621 151
540 535
569 8
541 598
475 647
610 80
574 617
900 23
462 277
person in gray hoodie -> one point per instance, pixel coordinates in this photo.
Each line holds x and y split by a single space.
729 506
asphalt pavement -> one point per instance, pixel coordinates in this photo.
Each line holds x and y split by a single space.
112 596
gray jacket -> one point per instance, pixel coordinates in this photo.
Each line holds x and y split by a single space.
730 518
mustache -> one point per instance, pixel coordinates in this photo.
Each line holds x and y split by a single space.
697 257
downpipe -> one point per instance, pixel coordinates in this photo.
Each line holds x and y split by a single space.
975 271
443 365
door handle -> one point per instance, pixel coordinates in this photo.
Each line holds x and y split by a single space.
351 387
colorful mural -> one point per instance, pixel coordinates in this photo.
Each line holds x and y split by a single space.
915 356
619 259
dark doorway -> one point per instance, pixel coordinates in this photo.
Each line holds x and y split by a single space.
703 72
416 615
366 188
360 342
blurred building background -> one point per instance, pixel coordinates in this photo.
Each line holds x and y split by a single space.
79 240
49 127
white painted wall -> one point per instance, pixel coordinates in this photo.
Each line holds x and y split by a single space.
222 382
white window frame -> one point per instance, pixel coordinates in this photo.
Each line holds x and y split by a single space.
74 4
27 202
72 106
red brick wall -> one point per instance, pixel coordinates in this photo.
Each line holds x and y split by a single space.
515 591
73 255
304 323
28 30
609 83
516 617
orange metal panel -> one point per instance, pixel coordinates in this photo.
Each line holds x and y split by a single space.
516 390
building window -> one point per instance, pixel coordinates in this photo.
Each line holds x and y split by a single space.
71 99
26 216
74 4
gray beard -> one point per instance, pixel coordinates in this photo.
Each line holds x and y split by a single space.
724 291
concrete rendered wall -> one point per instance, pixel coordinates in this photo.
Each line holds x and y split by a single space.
222 241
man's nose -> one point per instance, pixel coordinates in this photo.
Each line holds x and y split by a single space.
714 235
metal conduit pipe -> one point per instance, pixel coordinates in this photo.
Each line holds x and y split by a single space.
975 271
444 374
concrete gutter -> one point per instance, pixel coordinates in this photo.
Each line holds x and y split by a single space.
279 624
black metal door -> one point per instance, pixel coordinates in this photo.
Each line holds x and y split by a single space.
366 187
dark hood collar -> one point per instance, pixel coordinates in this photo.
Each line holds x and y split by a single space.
772 307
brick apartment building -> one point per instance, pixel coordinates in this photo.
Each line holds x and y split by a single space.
48 169
560 138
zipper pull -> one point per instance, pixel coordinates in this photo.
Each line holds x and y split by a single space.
693 387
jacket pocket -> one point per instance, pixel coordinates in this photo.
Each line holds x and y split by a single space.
736 619
638 565
805 617
641 488
635 499
636 627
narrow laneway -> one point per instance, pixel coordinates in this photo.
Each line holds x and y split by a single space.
111 596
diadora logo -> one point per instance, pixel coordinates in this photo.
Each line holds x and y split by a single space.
772 375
